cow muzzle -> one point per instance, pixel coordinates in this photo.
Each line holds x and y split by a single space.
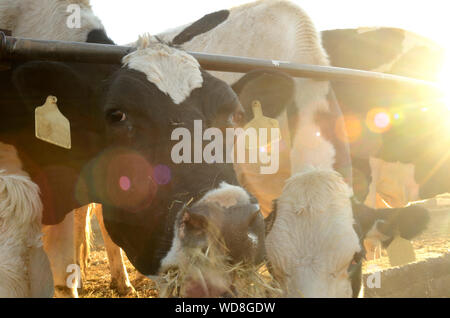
213 240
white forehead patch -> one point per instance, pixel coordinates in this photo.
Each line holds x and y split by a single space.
173 71
227 196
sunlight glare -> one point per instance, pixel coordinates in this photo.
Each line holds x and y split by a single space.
444 78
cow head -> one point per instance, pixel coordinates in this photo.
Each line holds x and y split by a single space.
148 197
63 20
315 244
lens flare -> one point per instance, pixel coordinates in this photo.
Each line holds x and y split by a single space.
382 120
348 128
125 180
379 120
125 183
162 174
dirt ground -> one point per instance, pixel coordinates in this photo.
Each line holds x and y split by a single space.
433 243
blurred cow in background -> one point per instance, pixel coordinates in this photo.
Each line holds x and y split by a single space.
399 136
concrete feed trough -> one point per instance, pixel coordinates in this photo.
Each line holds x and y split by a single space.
429 278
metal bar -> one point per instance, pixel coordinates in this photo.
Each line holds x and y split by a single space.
14 49
7 32
223 63
19 49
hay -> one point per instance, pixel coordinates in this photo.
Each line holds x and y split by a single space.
240 280
254 282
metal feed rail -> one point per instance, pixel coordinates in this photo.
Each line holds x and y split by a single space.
19 49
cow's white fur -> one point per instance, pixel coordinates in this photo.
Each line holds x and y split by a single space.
227 196
21 253
312 241
47 19
310 148
173 71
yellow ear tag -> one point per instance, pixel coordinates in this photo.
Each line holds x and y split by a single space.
400 252
51 125
262 122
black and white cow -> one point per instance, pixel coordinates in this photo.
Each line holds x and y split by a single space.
417 135
280 30
121 150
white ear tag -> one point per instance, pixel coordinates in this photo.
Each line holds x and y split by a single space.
262 122
400 252
51 125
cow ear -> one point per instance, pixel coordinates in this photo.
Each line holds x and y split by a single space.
203 25
385 224
274 90
36 80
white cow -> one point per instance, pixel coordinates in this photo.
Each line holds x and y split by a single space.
48 20
312 242
315 242
24 266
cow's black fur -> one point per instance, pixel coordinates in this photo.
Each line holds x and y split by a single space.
203 25
54 169
274 90
98 36
350 48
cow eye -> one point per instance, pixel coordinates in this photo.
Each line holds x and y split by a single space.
116 116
